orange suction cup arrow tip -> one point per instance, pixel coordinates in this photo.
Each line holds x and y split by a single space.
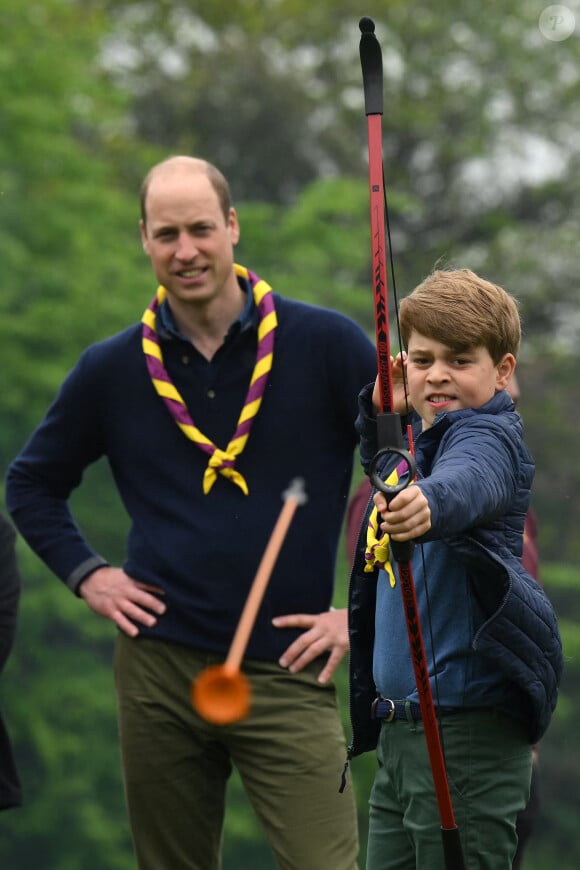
220 695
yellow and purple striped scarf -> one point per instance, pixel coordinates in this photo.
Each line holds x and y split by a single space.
220 461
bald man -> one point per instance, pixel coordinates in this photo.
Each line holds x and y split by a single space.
206 410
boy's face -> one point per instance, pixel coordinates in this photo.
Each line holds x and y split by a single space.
440 379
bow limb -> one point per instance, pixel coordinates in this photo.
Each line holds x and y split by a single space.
390 438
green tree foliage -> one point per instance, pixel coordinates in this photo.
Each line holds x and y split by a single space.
69 252
480 113
67 229
324 240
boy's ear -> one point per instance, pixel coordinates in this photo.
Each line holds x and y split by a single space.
504 369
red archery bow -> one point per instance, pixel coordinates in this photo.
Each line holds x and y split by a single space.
390 435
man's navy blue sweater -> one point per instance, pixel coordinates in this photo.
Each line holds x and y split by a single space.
204 550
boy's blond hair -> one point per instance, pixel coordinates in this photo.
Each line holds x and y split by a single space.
462 310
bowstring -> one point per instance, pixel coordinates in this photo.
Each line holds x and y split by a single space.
411 449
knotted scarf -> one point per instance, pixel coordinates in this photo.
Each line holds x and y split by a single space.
220 461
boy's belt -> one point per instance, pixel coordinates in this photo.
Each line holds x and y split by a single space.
389 711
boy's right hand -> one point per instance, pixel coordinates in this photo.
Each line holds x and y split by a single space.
400 405
408 516
113 594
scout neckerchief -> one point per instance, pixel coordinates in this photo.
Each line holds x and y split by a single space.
220 461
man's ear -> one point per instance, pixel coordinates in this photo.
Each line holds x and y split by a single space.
144 239
234 226
504 371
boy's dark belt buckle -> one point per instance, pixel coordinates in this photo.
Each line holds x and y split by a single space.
387 710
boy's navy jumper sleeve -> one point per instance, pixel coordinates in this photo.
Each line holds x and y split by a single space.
475 477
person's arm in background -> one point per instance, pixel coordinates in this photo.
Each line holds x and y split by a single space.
9 589
354 514
528 818
10 792
530 557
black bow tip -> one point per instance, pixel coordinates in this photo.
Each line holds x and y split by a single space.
366 25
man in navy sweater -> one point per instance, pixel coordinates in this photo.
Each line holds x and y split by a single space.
206 410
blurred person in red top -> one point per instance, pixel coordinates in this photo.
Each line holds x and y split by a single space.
355 512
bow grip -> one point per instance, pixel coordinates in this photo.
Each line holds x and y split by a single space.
402 551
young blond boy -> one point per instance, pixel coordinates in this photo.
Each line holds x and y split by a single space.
491 637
